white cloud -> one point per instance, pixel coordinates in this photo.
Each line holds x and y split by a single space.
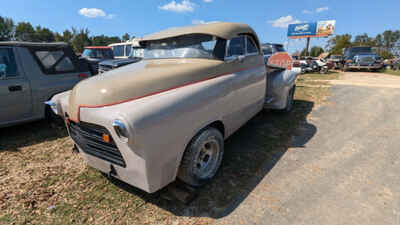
208 1
196 22
94 13
184 6
306 11
319 10
284 21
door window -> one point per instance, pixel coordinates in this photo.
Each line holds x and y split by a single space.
65 65
251 47
8 66
236 46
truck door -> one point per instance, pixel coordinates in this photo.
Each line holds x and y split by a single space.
248 83
15 91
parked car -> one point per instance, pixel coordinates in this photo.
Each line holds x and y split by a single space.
32 73
269 49
121 50
96 54
395 64
136 54
167 116
358 58
336 61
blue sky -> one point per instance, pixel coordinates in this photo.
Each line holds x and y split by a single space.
268 18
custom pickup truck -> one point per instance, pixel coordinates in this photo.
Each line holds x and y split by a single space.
167 116
32 73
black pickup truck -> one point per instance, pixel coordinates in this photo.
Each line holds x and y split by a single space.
359 58
135 55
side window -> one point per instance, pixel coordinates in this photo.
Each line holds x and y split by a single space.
49 58
65 65
128 50
118 50
251 47
236 46
54 61
8 66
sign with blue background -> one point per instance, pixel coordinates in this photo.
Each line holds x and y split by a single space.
302 29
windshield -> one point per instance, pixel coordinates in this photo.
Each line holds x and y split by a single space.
360 49
187 46
97 53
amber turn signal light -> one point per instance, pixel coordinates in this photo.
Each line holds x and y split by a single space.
106 138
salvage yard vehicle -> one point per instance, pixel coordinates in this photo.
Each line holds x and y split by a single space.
32 73
135 55
359 58
269 49
167 116
121 50
96 54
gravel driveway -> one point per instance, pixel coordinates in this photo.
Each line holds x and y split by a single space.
347 173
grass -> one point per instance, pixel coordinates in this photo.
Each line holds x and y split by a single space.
392 72
43 182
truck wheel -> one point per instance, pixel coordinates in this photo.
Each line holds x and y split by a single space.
202 157
289 100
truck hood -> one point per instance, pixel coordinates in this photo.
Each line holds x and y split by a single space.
119 62
141 79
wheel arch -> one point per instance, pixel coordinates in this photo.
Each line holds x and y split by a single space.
217 124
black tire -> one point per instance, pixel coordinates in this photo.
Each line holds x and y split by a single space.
52 118
289 101
191 170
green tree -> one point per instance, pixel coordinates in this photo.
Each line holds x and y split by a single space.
126 37
43 35
364 40
6 28
80 39
68 36
336 44
25 32
316 51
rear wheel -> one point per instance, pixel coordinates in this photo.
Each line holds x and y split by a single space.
202 157
289 100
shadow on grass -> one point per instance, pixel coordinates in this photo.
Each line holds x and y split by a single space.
16 137
250 154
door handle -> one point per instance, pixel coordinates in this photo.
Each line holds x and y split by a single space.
15 88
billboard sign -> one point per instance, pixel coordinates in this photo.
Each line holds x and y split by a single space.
326 28
302 29
317 29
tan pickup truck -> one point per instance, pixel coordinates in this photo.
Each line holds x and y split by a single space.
167 116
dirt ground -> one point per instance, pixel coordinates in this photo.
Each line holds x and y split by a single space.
347 170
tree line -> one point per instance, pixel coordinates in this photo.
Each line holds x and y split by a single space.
77 38
386 44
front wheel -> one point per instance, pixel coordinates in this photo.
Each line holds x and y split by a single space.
202 157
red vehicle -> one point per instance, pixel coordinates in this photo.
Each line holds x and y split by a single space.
96 54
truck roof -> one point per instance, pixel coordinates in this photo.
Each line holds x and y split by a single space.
33 44
219 29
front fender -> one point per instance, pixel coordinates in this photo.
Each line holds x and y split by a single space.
59 103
